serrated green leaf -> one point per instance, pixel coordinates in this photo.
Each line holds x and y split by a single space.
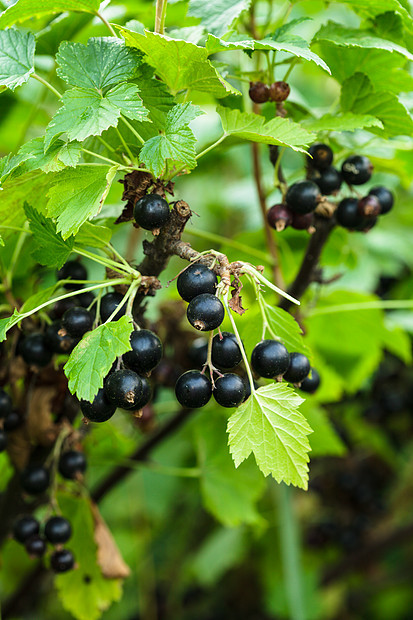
55 158
50 249
77 195
126 98
25 9
10 163
7 323
369 8
16 57
93 235
283 326
343 122
91 360
217 15
270 426
15 191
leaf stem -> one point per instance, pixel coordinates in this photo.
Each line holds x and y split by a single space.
111 161
15 256
211 146
132 129
240 343
125 146
106 262
107 24
46 83
160 15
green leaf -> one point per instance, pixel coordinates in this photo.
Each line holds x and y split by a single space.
50 249
283 326
39 298
10 163
16 57
270 426
25 9
324 440
91 360
253 127
15 192
93 235
103 62
217 15
59 155
343 122
77 195
175 146
8 322
371 8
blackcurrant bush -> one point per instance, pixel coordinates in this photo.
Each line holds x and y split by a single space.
62 561
24 528
151 212
384 196
196 279
5 404
347 213
270 359
193 389
35 479
321 156
259 92
73 270
328 180
303 197
198 352
302 221
279 217
298 369
311 384
229 390
108 305
225 351
279 91
369 206
58 340
72 463
146 351
36 546
123 388
205 312
12 421
77 321
356 170
145 396
99 410
3 441
34 350
57 530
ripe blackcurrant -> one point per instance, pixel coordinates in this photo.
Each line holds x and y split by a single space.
310 384
369 206
86 299
347 213
229 390
193 389
205 312
196 279
58 340
73 270
77 321
357 170
61 306
123 388
145 396
36 546
328 180
108 305
259 92
225 351
12 421
34 350
303 197
151 212
146 351
5 404
3 441
321 156
279 91
24 528
298 369
57 530
279 217
270 359
384 196
35 479
62 561
72 463
302 221
367 224
99 410
198 352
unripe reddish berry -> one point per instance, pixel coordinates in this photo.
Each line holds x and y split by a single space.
279 91
369 206
302 221
279 217
259 92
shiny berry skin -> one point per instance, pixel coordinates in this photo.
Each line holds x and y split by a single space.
302 222
328 180
146 351
229 390
12 421
34 350
226 352
123 388
384 196
311 384
145 396
57 530
73 270
270 359
62 561
321 156
58 340
36 547
151 212
198 351
369 206
195 280
3 441
367 224
205 312
259 92
303 197
279 217
5 404
100 410
193 389
347 213
279 91
35 479
108 305
24 528
356 170
86 299
72 463
61 306
298 369
77 321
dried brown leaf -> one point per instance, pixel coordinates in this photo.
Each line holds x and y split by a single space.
109 557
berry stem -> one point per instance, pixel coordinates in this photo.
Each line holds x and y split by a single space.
240 344
111 161
250 270
46 83
125 146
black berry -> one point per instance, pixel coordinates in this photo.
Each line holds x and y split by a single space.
247 385
225 351
36 546
86 299
35 479
58 340
357 170
12 421
72 463
146 351
123 388
311 384
279 91
270 359
5 404
196 279
328 180
384 196
279 217
347 213
369 206
3 441
24 528
62 561
302 221
62 305
77 321
73 270
99 410
321 156
151 212
303 197
198 351
145 396
108 305
34 350
298 369
57 530
259 92
229 390
205 312
193 389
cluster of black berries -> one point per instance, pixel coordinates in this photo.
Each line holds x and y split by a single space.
271 360
151 212
35 479
261 93
9 418
57 531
